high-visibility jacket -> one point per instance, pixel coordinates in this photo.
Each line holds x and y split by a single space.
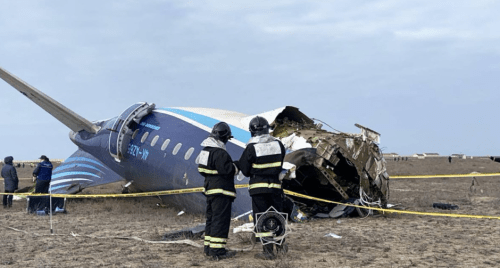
262 161
216 165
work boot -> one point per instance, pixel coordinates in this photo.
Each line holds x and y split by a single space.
228 254
282 249
267 253
206 250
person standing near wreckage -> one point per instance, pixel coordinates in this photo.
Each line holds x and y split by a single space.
262 161
10 180
216 165
43 175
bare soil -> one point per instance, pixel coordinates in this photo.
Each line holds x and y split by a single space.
98 232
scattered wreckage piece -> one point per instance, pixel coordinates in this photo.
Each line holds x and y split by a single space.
335 166
444 206
195 232
495 158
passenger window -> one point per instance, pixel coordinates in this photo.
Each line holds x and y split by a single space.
144 137
177 148
165 144
135 133
188 153
155 139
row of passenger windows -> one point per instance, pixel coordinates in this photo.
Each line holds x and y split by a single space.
164 145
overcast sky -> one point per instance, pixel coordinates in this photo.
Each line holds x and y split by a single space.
424 74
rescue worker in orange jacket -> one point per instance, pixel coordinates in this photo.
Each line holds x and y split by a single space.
216 165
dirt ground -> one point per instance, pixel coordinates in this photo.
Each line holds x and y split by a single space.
99 232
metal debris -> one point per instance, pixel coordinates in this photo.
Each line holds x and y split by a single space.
333 166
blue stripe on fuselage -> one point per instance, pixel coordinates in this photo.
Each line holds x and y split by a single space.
58 187
238 133
59 168
74 173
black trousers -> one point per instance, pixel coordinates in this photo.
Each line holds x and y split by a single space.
218 215
261 203
7 199
42 186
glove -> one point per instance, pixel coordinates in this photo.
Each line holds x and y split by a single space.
282 174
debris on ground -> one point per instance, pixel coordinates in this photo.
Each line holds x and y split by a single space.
444 206
333 235
189 233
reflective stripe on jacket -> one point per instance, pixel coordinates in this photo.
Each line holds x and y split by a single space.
275 164
262 161
216 165
219 191
207 171
264 185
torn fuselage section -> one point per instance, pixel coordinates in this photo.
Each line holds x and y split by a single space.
332 166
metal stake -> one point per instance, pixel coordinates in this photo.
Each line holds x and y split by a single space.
50 201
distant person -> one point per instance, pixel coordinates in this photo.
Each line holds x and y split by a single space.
449 159
11 181
43 174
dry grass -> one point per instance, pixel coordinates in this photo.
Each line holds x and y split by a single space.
390 240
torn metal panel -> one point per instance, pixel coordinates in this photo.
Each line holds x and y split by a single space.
369 134
337 166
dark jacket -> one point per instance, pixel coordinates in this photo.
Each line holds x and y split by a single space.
43 171
216 165
9 175
262 161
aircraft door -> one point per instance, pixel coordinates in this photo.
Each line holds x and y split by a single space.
121 132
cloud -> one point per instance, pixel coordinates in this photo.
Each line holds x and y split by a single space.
353 53
434 33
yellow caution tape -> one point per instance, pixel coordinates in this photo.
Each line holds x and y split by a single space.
394 210
167 192
445 176
200 189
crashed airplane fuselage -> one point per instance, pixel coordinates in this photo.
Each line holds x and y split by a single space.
156 149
